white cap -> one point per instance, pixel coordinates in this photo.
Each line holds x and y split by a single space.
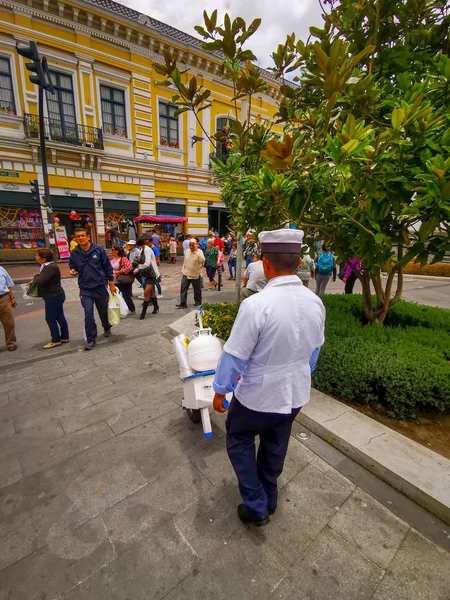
281 240
131 242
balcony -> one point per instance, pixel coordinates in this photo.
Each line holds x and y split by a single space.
56 131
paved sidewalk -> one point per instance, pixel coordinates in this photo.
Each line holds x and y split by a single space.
108 492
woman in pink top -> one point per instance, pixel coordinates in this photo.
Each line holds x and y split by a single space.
350 275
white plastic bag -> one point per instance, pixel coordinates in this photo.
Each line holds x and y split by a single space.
124 310
179 343
113 309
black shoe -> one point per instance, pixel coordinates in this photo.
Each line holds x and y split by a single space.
107 332
272 510
155 305
247 517
144 310
197 303
89 345
181 305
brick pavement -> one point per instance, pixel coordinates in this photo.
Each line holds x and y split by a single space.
108 492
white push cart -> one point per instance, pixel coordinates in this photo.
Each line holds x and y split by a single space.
198 397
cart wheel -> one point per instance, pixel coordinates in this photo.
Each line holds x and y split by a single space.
194 414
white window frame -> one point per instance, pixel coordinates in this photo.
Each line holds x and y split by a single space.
180 128
11 57
118 86
76 92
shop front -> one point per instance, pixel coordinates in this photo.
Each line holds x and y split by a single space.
218 217
119 212
21 227
71 214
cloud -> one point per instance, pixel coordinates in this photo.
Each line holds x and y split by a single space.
278 18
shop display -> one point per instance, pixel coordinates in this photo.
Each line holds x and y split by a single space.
23 229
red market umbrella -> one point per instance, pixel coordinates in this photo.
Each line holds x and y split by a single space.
159 219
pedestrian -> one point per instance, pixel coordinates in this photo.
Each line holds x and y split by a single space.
203 243
73 243
218 241
108 238
351 270
7 303
325 267
157 253
251 247
155 238
186 244
307 269
272 349
173 250
232 261
254 277
90 263
51 291
194 259
123 275
150 273
211 256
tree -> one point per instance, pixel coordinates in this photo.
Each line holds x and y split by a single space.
365 156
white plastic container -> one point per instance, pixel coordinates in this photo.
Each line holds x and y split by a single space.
204 351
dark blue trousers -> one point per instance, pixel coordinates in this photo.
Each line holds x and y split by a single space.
257 475
56 321
97 297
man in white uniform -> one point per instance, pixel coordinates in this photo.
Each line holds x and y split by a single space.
273 346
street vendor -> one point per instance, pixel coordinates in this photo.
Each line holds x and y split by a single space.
273 347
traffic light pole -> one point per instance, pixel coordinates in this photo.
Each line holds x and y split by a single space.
43 160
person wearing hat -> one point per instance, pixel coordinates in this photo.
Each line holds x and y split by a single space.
254 277
218 241
272 349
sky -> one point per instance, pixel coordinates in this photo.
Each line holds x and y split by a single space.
279 18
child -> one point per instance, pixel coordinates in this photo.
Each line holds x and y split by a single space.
173 250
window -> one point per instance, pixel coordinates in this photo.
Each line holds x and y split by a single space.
6 89
168 125
113 111
223 125
61 109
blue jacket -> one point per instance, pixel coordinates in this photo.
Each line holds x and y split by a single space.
93 266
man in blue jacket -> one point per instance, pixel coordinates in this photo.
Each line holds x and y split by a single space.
94 270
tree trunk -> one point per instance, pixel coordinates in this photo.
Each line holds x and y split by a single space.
383 301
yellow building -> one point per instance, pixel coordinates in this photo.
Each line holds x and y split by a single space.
114 148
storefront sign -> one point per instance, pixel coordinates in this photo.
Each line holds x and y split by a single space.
9 174
62 242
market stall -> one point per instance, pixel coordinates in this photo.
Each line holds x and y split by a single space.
167 226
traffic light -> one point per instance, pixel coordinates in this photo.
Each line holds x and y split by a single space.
42 76
35 196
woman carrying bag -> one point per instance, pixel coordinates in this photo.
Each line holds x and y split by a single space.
150 273
123 275
49 288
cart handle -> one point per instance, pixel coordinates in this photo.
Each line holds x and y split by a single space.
202 374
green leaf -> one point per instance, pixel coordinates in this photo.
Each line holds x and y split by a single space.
180 110
397 118
160 69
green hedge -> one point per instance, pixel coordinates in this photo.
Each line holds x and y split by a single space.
403 367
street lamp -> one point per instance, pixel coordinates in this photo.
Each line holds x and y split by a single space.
42 79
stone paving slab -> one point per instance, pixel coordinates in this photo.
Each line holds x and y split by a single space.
415 470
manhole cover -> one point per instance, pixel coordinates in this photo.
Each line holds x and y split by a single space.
304 435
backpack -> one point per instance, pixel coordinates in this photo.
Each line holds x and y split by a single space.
325 263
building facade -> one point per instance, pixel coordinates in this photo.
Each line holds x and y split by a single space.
115 149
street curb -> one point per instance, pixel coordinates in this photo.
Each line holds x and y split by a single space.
419 473
429 277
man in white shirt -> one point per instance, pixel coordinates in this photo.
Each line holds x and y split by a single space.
272 349
254 278
194 259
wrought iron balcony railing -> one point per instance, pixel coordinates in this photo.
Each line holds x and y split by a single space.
57 131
